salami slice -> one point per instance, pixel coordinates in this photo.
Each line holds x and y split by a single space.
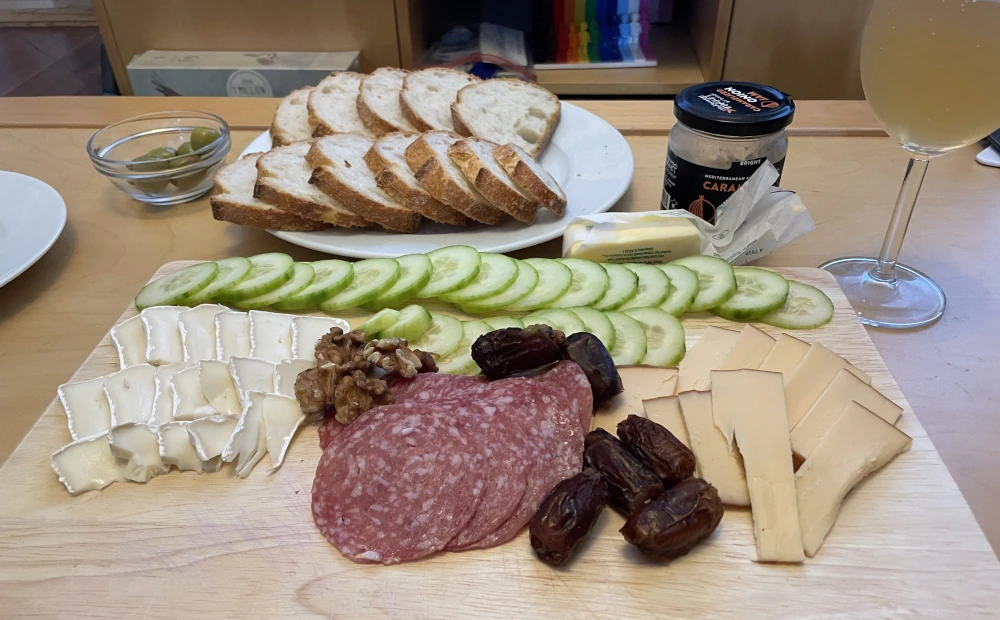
328 430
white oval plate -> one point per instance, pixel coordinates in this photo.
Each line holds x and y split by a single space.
32 216
588 157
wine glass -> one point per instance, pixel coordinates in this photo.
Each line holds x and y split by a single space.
930 73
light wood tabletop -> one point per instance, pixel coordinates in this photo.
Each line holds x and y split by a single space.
846 171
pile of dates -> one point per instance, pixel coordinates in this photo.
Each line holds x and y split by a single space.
646 474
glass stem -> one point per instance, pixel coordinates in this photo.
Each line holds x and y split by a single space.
893 242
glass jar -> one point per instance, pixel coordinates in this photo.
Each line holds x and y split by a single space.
724 132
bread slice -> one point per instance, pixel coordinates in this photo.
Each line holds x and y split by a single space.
291 120
387 161
507 111
378 102
427 96
474 157
339 169
333 105
283 181
429 161
531 177
234 201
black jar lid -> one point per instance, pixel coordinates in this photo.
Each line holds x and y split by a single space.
739 109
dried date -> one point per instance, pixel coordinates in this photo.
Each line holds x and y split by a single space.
630 482
674 523
669 459
567 515
512 350
592 356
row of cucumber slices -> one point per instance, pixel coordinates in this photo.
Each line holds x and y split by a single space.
481 283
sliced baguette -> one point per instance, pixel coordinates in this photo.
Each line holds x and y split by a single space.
427 96
507 111
531 177
234 202
291 120
333 105
474 157
283 181
378 102
387 161
429 161
339 169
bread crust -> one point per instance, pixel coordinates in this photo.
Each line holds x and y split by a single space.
399 220
462 128
494 189
264 191
278 136
235 213
415 199
375 123
527 180
423 161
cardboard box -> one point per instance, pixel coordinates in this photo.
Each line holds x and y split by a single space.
232 74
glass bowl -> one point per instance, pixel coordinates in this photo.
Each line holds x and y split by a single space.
165 178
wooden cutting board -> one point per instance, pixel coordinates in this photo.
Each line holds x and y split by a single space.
190 546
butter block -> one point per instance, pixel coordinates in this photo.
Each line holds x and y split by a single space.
635 239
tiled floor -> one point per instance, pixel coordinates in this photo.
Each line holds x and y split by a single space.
50 61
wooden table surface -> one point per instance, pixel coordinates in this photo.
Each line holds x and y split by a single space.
845 169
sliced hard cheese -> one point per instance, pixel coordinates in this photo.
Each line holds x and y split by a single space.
285 374
306 332
163 402
830 405
282 417
706 355
176 448
163 336
666 412
749 351
129 339
754 401
190 402
815 373
251 375
716 463
270 336
218 387
786 354
857 444
639 383
210 435
248 442
136 443
131 393
197 327
87 409
88 465
232 335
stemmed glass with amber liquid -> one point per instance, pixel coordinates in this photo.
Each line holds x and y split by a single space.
931 73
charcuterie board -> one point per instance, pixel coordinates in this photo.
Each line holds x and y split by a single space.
189 545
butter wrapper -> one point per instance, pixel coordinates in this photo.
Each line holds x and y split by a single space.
756 220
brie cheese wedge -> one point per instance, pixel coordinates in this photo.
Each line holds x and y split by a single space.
270 336
282 417
285 374
87 409
136 443
129 339
197 327
163 401
250 374
218 387
248 443
210 435
190 402
163 337
87 464
307 330
232 335
176 449
130 394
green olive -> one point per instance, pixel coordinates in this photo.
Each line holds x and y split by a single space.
161 152
202 137
151 163
188 181
179 161
152 186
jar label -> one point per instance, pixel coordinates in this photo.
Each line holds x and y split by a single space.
700 189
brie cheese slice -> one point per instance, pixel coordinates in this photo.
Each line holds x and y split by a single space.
136 443
218 387
307 330
163 401
190 402
176 449
232 335
250 374
87 464
282 417
130 394
248 443
285 374
197 327
163 337
270 336
87 409
210 435
129 339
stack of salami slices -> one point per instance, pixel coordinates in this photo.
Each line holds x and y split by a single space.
457 463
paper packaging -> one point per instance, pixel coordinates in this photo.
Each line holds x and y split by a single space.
756 220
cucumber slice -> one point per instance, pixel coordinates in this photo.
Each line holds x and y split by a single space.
170 290
383 319
372 277
413 321
590 282
597 323
554 279
502 322
758 291
805 307
441 338
623 286
654 286
231 271
267 272
683 289
664 336
414 273
496 273
459 361
302 275
453 267
332 276
630 339
563 320
716 280
524 283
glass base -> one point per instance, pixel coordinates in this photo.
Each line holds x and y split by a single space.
910 299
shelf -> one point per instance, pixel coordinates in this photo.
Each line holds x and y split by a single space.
677 69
